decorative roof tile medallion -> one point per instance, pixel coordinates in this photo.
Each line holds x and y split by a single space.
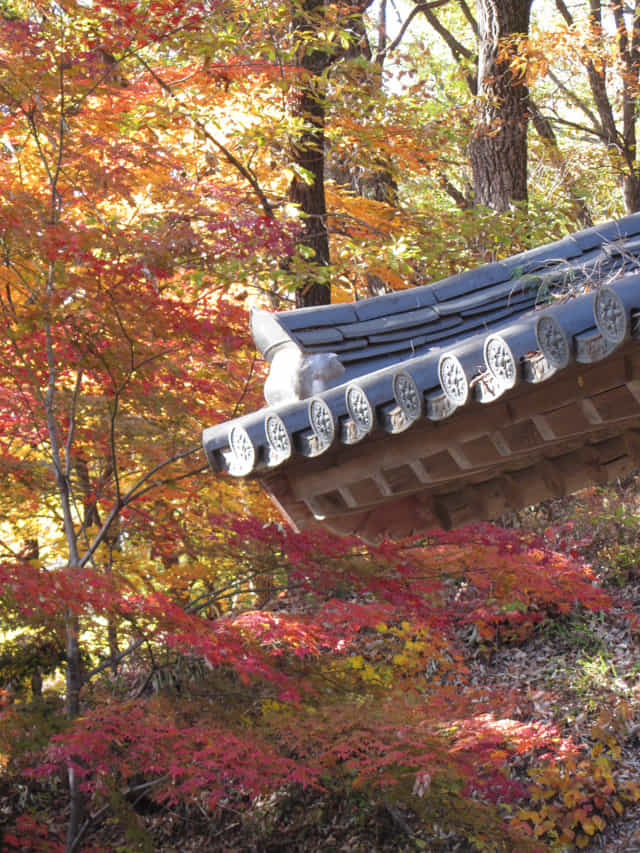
243 453
399 436
500 361
407 396
553 342
453 380
278 438
360 410
322 424
612 319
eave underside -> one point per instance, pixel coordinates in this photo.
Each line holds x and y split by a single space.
579 428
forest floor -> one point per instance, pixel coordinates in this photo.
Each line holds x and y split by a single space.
580 673
579 670
571 673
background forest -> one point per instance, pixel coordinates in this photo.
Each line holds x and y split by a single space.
178 671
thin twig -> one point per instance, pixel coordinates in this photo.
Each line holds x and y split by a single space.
72 424
245 171
419 7
94 818
246 385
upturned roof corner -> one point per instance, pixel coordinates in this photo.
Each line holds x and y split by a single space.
455 401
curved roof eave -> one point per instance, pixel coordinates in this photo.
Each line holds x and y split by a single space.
430 351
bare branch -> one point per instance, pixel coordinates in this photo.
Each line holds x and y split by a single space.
94 818
383 51
36 136
621 32
577 101
246 385
166 480
598 83
591 131
564 11
635 36
245 171
61 135
466 11
453 192
458 50
545 131
131 648
133 493
72 424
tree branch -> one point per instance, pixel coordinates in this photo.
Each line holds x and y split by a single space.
545 131
466 11
564 11
419 7
246 172
92 819
131 495
246 385
591 131
72 424
458 51
453 192
576 101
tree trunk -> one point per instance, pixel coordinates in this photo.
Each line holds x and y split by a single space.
498 150
631 191
72 708
375 180
73 670
307 188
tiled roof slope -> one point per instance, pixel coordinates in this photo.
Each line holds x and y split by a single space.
432 353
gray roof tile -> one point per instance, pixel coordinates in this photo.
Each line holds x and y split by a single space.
443 326
404 320
428 351
471 280
541 258
323 335
520 301
310 318
608 232
343 346
391 303
472 323
375 350
506 290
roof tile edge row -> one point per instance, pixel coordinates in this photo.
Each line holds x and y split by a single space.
585 329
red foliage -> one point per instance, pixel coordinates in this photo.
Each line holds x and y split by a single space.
220 657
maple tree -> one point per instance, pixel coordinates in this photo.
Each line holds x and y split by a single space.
166 644
105 328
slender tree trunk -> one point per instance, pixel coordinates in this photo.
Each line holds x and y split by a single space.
498 150
307 188
112 626
72 628
631 192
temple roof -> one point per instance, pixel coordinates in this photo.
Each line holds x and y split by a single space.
461 399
